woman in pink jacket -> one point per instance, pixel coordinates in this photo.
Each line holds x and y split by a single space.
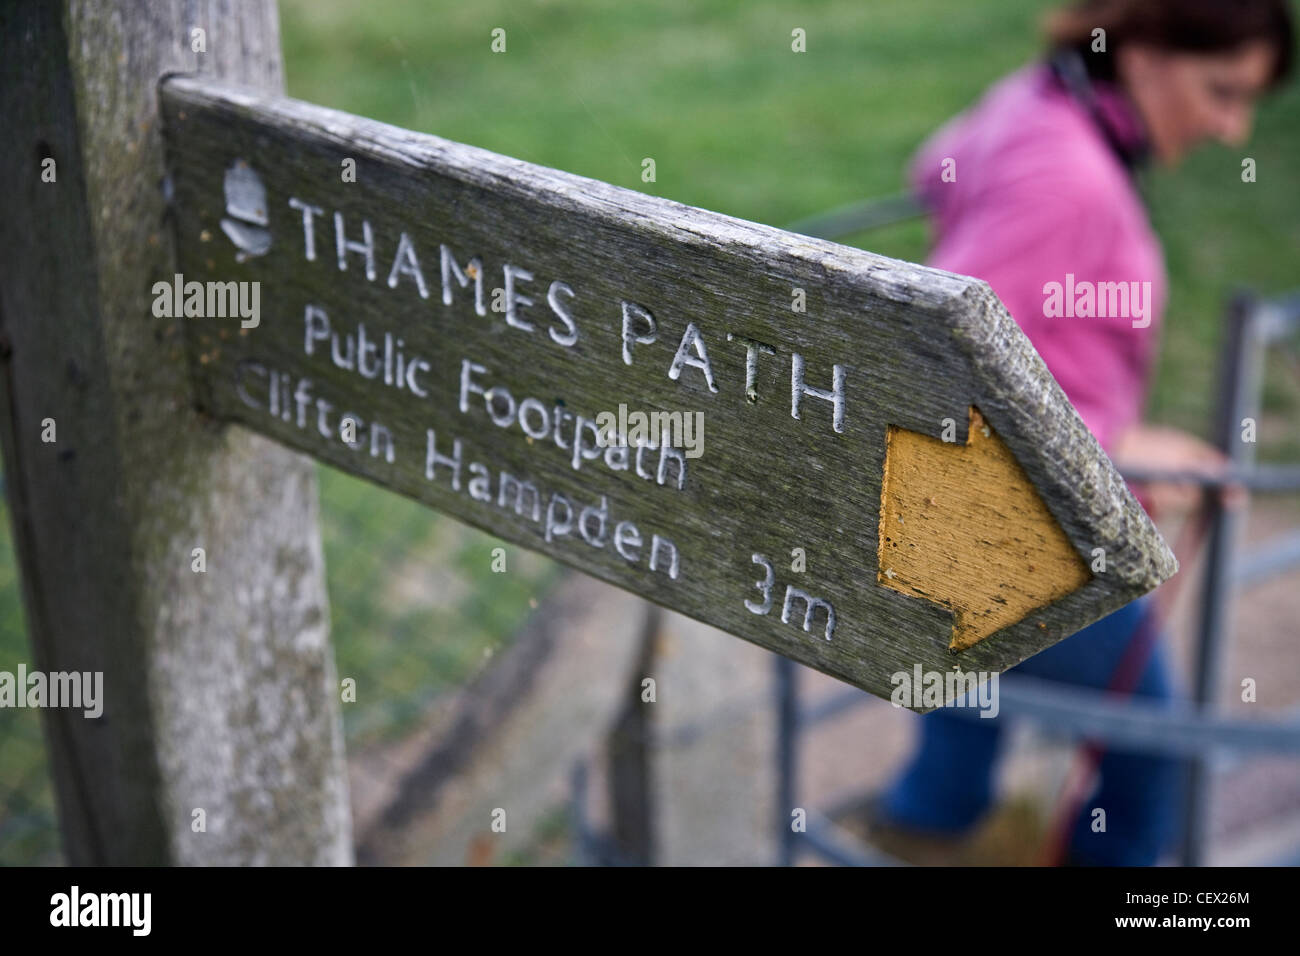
1033 191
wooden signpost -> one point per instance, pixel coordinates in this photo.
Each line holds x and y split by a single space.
875 469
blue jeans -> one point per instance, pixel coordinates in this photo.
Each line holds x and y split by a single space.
948 785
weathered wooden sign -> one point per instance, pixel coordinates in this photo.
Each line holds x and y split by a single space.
871 469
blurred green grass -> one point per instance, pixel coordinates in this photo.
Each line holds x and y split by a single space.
736 123
28 833
415 608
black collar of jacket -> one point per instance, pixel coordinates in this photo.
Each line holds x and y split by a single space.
1068 67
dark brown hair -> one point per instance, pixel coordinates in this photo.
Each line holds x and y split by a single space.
1189 26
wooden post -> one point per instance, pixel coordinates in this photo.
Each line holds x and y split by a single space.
220 740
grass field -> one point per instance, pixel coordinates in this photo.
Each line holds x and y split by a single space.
737 123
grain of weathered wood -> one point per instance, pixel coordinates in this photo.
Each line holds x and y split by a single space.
917 346
219 687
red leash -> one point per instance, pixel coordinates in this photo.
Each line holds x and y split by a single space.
1079 781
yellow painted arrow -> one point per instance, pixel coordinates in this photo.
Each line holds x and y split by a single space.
961 525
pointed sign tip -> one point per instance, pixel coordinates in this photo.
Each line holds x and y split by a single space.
963 526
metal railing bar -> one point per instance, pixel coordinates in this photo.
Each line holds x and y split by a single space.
830 841
1118 720
1259 478
859 217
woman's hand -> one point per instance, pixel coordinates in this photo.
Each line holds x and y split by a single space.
1157 447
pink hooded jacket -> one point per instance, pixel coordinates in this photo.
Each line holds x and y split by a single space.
1035 195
